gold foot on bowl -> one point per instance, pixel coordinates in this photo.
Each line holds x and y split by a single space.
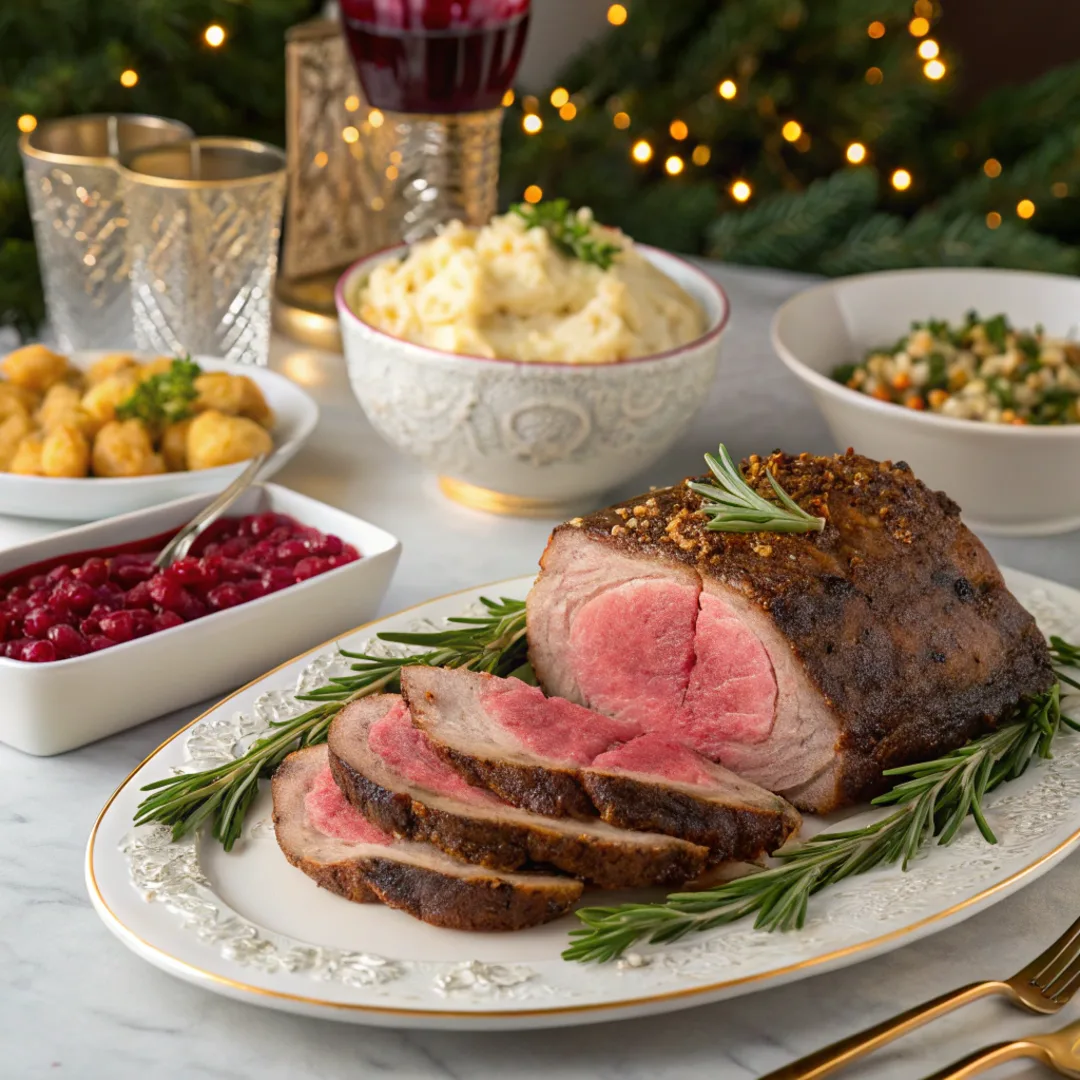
496 502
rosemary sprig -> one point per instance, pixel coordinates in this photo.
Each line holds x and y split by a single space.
493 642
735 506
933 801
571 234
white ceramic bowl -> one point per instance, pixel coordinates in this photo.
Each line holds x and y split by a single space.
1013 481
524 437
92 497
50 708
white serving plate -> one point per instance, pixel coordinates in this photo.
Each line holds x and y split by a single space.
50 708
93 498
1013 481
251 927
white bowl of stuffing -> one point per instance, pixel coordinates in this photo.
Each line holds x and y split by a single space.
96 434
970 376
534 363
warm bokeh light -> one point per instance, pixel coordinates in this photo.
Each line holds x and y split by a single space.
674 165
568 111
919 27
26 122
508 98
925 8
701 155
375 118
855 153
129 78
391 172
876 29
616 14
741 191
350 134
934 70
530 103
352 103
874 76
1060 189
560 96
679 130
928 49
321 159
1025 208
641 151
992 167
727 89
621 120
214 35
901 179
791 130
993 219
803 143
531 123
534 193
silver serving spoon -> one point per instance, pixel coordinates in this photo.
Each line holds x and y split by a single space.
181 543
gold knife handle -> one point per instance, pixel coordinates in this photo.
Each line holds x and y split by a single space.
987 1058
829 1059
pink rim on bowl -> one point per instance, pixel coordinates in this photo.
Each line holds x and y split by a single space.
715 287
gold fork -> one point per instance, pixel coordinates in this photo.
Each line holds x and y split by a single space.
1044 986
1060 1050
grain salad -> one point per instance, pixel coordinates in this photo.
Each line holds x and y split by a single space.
981 369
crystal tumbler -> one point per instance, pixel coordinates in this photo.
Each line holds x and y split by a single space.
204 217
72 184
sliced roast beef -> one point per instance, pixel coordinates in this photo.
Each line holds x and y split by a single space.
553 757
807 663
388 770
336 846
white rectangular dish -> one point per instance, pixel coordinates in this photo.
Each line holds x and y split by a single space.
54 707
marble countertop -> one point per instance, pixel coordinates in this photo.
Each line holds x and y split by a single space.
74 1002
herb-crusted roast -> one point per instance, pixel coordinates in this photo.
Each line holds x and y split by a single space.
807 663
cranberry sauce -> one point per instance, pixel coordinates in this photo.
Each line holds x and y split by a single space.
90 601
435 56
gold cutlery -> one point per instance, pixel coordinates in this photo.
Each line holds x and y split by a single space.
1060 1050
1044 986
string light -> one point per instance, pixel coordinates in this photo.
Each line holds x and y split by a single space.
531 123
616 14
641 151
855 153
26 122
791 130
901 179
391 172
1025 208
934 70
621 120
993 219
727 89
129 78
560 96
702 155
874 76
919 26
530 103
924 8
876 29
214 35
928 49
508 99
992 167
352 103
350 134
741 191
1060 189
321 159
534 193
568 111
679 130
375 118
802 144
674 165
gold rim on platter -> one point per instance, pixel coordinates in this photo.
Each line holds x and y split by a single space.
498 502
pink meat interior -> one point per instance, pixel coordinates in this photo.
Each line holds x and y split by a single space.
405 749
676 660
331 813
658 755
552 727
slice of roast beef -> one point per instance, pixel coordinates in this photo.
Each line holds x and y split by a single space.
390 773
807 663
553 757
336 846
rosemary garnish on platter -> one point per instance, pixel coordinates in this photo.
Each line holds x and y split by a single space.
932 799
492 642
734 506
571 234
163 398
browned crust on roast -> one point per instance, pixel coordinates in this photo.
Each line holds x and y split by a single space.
896 611
347 879
507 845
740 833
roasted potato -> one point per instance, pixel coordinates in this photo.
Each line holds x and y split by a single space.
27 459
174 445
235 395
12 431
113 364
158 366
123 448
65 451
12 404
34 367
102 399
216 439
63 406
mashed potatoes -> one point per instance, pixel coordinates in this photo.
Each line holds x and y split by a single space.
506 291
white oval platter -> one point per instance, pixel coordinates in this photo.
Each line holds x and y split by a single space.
92 498
249 926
